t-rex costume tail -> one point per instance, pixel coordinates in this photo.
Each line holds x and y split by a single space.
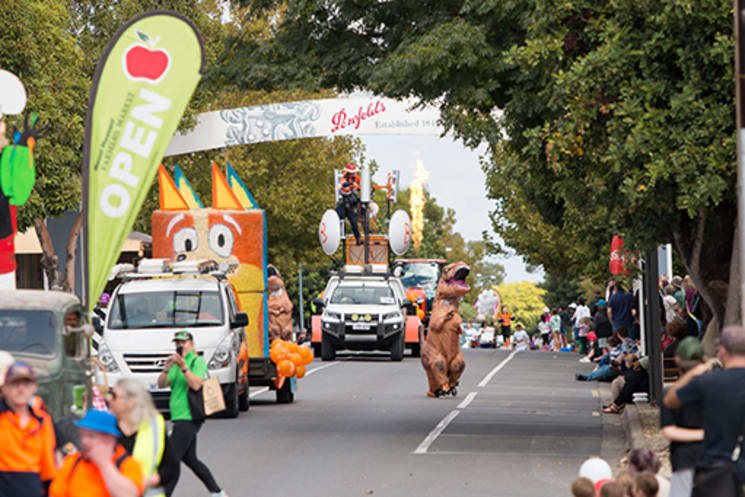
441 355
279 306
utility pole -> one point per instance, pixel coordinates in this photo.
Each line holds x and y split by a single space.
652 325
300 292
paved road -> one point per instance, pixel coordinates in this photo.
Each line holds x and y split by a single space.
362 425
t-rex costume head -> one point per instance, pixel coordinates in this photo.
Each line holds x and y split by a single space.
280 306
441 355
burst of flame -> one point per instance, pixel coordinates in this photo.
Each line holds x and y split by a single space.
416 203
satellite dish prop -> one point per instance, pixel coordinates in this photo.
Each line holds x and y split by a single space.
12 94
329 232
399 232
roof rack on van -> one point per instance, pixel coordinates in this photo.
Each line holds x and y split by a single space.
153 268
365 271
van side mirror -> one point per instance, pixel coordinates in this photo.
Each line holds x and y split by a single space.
318 302
240 320
97 325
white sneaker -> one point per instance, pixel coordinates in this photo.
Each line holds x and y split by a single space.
584 359
221 493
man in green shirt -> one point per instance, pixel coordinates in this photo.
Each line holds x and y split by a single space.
183 370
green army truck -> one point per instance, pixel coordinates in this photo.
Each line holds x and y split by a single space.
48 330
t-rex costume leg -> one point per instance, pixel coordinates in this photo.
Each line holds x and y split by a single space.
441 354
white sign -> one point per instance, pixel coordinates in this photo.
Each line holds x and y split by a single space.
307 119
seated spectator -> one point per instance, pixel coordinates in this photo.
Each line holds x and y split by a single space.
520 338
645 485
636 380
683 426
593 348
645 461
606 371
583 487
604 358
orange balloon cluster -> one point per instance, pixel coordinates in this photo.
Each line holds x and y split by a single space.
290 358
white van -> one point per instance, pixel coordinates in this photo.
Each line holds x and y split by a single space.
161 298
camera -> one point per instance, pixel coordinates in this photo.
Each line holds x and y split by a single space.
180 350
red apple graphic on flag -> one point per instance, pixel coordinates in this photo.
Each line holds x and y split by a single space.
143 62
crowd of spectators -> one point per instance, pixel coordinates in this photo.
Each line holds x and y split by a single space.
639 479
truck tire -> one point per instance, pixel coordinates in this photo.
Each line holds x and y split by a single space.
328 352
397 348
285 395
244 403
231 401
416 348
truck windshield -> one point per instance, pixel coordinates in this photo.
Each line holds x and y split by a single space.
422 274
30 332
376 295
166 310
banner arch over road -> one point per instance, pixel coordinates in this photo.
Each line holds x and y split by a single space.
354 116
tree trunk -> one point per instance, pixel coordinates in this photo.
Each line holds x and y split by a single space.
49 261
732 313
72 245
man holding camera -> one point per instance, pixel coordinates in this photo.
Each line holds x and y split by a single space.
186 370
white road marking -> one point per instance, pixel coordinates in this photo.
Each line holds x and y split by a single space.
266 389
422 449
469 398
494 371
319 368
258 392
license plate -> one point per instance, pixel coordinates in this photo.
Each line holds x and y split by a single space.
360 326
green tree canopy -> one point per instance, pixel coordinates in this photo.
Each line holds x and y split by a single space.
601 117
525 302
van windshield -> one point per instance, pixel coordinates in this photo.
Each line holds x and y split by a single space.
27 332
166 310
375 295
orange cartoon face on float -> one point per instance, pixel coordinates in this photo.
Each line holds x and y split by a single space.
226 232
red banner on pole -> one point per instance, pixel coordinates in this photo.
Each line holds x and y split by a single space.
617 256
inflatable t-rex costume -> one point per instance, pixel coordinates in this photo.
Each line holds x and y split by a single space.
441 355
279 306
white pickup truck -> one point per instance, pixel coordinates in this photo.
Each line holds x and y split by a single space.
363 312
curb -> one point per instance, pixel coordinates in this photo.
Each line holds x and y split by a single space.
632 427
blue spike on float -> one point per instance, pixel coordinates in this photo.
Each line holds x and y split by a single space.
185 189
244 195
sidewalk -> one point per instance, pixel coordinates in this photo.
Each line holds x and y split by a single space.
641 423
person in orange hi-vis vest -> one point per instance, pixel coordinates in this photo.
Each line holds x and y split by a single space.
504 319
103 467
27 464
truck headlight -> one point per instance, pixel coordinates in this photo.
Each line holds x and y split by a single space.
221 357
332 317
106 358
392 317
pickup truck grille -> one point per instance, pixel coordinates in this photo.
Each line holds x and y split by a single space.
147 363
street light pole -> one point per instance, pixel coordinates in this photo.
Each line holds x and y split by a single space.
739 68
